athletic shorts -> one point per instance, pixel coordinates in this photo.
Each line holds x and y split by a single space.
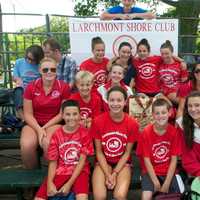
80 186
176 185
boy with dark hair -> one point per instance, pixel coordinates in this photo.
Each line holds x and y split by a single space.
68 168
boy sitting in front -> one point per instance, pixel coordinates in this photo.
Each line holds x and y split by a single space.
159 147
68 169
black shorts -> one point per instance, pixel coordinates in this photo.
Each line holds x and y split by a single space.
147 184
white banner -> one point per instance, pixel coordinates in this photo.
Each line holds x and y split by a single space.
114 32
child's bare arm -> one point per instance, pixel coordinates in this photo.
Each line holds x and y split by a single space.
101 158
151 173
170 174
123 159
51 188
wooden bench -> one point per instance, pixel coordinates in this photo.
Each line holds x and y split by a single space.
19 179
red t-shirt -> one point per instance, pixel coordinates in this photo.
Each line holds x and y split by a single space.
147 75
159 148
89 109
170 77
114 136
45 107
185 89
98 69
103 89
67 147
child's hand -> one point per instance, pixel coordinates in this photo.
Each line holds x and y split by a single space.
157 186
65 189
109 182
41 134
165 188
51 189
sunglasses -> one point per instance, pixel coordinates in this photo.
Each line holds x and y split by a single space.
30 59
46 70
197 71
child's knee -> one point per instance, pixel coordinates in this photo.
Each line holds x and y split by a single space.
147 195
120 195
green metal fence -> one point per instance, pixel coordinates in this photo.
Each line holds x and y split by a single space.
13 44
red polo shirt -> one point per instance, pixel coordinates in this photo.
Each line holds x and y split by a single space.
45 107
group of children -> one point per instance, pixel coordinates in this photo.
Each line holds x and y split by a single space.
95 123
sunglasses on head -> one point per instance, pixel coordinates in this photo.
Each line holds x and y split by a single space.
46 70
197 71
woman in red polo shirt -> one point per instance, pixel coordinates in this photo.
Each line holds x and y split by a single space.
42 101
114 133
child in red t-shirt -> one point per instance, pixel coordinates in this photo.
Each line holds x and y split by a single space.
68 169
90 103
116 79
159 146
114 133
97 64
172 73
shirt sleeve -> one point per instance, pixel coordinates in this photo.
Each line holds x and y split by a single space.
134 131
145 146
73 68
16 69
87 144
94 131
28 93
138 10
52 153
184 73
176 144
115 10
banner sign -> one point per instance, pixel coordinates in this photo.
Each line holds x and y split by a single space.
114 32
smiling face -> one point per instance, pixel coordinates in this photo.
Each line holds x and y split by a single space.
125 53
193 106
160 115
116 102
128 3
99 51
116 74
142 51
84 86
166 54
71 116
48 71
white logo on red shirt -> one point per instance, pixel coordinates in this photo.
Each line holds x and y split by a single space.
160 151
36 93
100 77
114 144
55 94
168 79
85 112
147 70
71 156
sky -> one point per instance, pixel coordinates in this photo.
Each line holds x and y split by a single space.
14 23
